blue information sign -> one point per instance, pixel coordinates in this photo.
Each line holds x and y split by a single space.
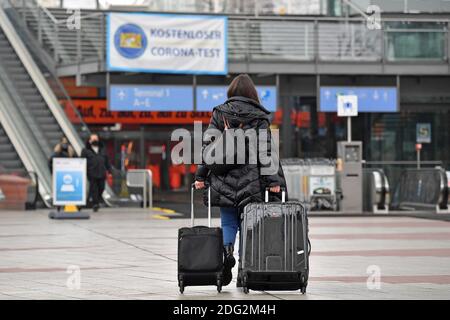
423 133
69 186
209 97
370 99
150 98
69 181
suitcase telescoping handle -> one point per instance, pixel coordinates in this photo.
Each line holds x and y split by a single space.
283 195
192 205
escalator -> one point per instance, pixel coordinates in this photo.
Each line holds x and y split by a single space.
31 118
28 98
9 159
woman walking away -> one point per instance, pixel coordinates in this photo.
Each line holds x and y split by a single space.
233 186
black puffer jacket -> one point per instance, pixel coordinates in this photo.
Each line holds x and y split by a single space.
97 163
239 185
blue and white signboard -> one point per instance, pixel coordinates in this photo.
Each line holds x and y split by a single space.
167 43
69 181
423 132
347 106
150 98
209 97
370 99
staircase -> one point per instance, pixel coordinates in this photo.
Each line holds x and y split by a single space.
33 106
32 117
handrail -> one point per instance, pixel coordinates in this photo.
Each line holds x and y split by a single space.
50 15
244 16
376 190
40 82
402 163
422 188
34 176
57 22
32 159
49 96
52 71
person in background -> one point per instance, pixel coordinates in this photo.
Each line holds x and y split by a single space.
62 150
233 187
97 167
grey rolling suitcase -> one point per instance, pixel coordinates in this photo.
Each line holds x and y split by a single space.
275 246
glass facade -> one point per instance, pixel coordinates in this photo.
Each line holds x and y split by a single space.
307 132
389 140
415 40
339 8
393 136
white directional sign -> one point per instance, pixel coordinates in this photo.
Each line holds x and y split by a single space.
347 105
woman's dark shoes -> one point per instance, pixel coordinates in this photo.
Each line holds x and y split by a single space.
228 264
96 207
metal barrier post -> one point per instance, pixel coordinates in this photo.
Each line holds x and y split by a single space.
144 180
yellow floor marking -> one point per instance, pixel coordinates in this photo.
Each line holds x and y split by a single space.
160 217
168 211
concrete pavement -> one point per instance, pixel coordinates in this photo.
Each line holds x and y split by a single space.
131 254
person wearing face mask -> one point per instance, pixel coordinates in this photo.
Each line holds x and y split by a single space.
62 150
97 166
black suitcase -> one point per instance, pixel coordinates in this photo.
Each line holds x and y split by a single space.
275 246
200 253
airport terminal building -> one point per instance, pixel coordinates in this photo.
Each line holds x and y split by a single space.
360 93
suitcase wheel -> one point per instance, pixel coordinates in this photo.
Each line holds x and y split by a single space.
305 284
244 285
181 286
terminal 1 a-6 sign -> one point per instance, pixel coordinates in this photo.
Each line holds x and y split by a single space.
368 99
167 43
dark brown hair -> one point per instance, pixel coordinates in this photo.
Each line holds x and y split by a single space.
243 86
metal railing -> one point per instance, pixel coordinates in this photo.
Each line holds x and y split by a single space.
255 7
55 32
58 91
312 181
413 188
423 189
260 39
53 93
376 191
142 179
21 135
